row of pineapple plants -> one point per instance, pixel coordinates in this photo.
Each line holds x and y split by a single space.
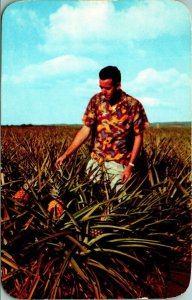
65 237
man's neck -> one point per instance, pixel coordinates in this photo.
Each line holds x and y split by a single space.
115 98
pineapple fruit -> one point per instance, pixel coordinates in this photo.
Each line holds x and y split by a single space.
56 203
21 195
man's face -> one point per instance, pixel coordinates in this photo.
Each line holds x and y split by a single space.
108 90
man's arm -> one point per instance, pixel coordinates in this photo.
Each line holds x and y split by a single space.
79 139
138 142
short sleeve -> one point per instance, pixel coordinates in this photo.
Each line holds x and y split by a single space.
89 116
140 120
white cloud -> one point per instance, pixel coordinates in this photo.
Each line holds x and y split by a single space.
150 101
56 67
162 90
156 102
151 78
150 19
74 21
92 20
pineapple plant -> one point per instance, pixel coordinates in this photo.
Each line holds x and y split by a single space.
58 244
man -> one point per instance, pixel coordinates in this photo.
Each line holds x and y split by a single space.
116 122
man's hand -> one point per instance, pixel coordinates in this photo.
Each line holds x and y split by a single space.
79 139
60 160
138 142
126 174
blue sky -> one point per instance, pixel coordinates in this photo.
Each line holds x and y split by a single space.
52 52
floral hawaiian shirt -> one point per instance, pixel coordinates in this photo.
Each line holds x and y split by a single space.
114 127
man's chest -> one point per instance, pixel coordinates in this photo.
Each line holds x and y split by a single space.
118 116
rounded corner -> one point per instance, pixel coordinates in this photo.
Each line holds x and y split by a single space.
4 293
188 6
5 4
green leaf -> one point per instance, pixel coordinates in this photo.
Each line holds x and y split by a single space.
73 220
79 270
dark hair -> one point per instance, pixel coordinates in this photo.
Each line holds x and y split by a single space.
110 72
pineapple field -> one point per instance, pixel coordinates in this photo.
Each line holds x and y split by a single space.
64 236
